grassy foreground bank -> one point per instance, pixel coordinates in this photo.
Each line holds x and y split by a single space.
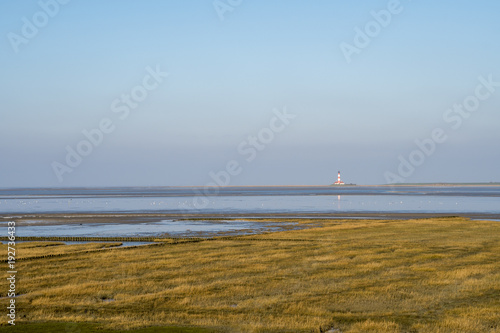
430 275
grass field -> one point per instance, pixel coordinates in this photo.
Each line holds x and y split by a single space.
428 275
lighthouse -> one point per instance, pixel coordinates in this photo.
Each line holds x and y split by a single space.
338 182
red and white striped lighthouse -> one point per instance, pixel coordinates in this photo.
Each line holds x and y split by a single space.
338 182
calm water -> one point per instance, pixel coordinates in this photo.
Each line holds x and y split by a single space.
168 228
248 200
245 201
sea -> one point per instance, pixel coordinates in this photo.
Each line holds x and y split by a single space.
249 200
476 202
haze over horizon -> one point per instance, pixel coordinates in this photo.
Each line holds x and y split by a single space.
130 93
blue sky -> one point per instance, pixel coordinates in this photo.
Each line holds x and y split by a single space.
225 78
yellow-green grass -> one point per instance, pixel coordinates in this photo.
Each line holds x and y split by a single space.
429 275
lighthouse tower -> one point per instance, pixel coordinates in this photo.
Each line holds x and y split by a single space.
338 182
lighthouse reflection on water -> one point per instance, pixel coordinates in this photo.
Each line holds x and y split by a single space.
338 202
337 183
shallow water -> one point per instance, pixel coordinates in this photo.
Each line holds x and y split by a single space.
243 201
149 229
248 200
260 204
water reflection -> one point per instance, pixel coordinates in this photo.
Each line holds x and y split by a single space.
338 203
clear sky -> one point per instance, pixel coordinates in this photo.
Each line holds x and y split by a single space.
354 85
